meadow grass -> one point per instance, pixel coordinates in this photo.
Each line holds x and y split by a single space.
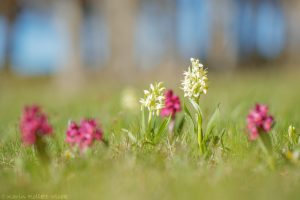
171 169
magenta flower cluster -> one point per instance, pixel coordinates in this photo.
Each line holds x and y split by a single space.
84 134
34 123
172 105
259 121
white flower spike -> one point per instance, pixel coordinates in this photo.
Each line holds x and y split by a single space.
154 98
195 81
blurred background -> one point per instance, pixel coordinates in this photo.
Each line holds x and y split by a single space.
74 37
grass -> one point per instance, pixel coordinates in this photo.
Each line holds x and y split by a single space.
169 170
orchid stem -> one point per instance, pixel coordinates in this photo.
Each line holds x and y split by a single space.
267 153
149 122
200 135
149 119
171 126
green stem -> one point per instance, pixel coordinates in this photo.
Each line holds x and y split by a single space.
143 126
267 153
149 120
42 153
171 127
150 123
201 143
44 157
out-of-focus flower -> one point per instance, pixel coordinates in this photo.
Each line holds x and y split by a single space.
129 99
154 98
84 135
259 121
73 133
89 133
293 136
172 104
195 80
34 123
68 155
293 156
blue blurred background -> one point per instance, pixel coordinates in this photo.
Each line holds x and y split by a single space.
45 37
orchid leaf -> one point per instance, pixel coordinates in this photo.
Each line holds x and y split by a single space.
180 125
196 106
212 122
187 112
162 128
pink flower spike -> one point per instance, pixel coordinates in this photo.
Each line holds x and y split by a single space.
172 105
254 132
83 135
262 109
33 123
268 123
259 121
72 133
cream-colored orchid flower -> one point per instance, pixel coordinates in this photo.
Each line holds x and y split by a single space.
154 98
195 80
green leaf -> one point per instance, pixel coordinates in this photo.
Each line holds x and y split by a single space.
162 128
196 106
221 138
180 125
186 110
212 122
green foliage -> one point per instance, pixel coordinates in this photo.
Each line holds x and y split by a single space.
212 122
204 138
163 168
